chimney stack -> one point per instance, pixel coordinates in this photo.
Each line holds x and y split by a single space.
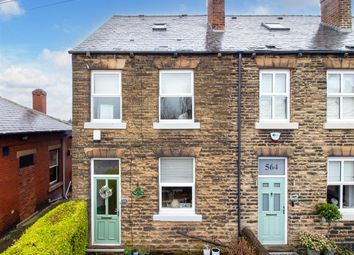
39 100
216 14
337 14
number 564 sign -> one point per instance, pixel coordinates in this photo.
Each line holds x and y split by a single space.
271 166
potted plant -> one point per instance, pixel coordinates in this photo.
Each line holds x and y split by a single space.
314 243
330 247
329 212
135 252
206 250
215 251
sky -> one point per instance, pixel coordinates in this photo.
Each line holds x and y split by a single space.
35 36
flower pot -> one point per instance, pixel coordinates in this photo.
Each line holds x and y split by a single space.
215 251
206 251
135 253
313 252
329 252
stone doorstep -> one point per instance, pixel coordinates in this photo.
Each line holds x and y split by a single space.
104 250
284 253
281 249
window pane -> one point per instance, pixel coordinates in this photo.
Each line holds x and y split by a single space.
101 202
333 193
27 160
176 83
348 196
173 108
349 171
280 108
266 108
333 107
334 171
271 167
177 197
277 202
53 174
348 83
348 107
106 167
333 83
176 170
267 83
53 157
265 202
112 200
280 83
106 84
106 108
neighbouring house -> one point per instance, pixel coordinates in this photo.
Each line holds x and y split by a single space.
35 159
197 126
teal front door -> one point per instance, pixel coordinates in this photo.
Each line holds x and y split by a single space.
271 210
106 215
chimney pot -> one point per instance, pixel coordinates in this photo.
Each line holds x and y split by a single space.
337 14
216 14
39 98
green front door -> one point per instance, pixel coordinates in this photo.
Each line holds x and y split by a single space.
106 210
271 210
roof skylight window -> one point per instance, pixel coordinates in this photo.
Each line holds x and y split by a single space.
159 27
275 26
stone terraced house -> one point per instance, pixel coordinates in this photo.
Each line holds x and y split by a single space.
197 126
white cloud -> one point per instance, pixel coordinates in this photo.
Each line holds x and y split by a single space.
50 72
10 9
261 10
60 59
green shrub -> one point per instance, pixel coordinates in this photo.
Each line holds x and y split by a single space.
343 251
330 212
63 230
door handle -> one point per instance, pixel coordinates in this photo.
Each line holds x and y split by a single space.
271 214
106 218
284 209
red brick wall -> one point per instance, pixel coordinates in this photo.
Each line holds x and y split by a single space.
25 190
337 13
216 14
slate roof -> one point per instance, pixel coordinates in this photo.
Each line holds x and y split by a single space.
192 34
16 119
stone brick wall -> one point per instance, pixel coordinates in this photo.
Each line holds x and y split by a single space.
139 146
337 13
214 145
307 163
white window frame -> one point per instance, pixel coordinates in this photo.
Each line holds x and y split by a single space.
177 214
92 185
105 123
273 123
273 94
340 123
177 123
176 95
56 166
348 213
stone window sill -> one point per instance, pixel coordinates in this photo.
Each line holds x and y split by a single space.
179 217
55 186
339 125
277 125
347 215
105 125
176 125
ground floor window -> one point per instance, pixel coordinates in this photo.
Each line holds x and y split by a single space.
340 180
54 167
177 185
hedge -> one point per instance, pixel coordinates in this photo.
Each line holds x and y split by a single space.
63 230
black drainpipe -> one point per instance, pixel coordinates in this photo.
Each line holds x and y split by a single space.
239 144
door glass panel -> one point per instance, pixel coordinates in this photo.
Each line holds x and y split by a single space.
100 203
349 171
333 193
265 185
348 196
265 203
334 171
277 185
272 167
112 200
276 202
106 166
